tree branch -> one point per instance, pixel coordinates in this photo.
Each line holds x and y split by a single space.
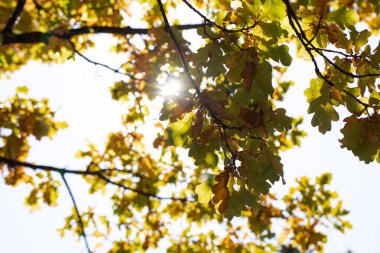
204 102
15 16
139 191
216 119
101 64
336 52
186 68
98 173
303 39
309 46
224 29
117 71
83 231
42 37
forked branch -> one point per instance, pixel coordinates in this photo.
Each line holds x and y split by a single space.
309 47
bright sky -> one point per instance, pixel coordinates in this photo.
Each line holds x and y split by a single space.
80 92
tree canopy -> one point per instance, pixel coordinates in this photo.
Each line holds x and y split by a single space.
227 116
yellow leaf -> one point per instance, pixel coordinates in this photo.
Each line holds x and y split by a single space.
98 234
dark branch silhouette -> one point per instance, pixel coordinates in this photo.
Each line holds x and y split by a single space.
310 47
185 67
43 37
98 173
15 16
296 26
198 91
336 52
80 221
76 51
224 29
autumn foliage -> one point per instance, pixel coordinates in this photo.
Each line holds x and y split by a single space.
227 117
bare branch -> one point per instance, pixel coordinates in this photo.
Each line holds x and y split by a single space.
83 231
42 37
336 52
117 71
100 64
98 173
15 16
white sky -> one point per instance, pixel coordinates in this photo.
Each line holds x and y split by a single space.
80 92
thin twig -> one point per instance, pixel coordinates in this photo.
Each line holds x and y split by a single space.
139 191
117 71
302 37
224 29
306 43
335 52
83 231
76 51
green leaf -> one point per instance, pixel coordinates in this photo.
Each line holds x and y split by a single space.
318 95
206 32
258 171
274 10
203 190
273 30
323 115
204 154
344 17
361 39
314 91
239 201
362 137
281 121
353 106
374 99
262 81
280 54
274 163
212 57
178 131
235 206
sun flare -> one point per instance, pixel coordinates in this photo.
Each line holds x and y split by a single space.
171 88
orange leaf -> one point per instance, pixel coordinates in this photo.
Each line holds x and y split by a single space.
221 191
